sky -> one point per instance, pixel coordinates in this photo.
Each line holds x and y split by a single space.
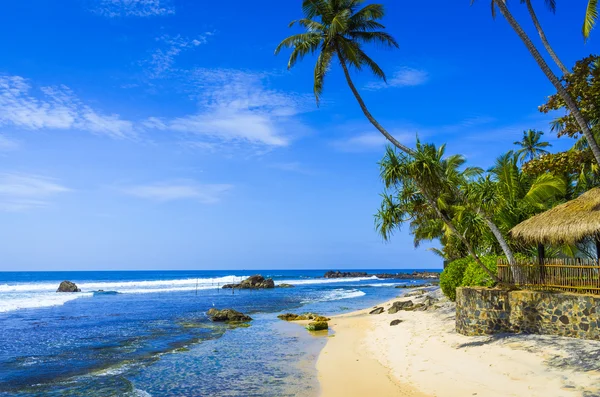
165 134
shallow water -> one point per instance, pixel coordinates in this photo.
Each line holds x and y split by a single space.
154 338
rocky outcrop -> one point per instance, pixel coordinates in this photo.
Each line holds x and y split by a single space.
253 282
410 286
424 275
400 305
67 286
284 285
338 274
377 310
301 317
227 315
317 326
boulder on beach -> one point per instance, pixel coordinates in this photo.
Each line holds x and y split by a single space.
377 310
284 285
317 326
67 286
395 322
305 316
227 315
400 305
253 282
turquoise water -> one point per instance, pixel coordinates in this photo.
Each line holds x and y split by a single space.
151 337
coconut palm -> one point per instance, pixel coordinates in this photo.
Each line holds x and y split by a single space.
531 145
339 29
591 15
551 4
571 104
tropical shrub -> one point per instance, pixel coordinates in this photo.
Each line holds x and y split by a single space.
475 276
452 277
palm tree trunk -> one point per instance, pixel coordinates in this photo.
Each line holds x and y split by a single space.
368 114
569 101
536 22
515 270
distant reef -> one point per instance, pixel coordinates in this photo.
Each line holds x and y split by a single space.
253 282
424 275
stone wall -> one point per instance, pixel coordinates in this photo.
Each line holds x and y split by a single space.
484 311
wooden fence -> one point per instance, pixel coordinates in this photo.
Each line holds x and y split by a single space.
569 274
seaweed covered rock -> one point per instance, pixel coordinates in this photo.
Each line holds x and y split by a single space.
317 326
253 282
284 285
305 316
400 305
228 315
67 286
377 310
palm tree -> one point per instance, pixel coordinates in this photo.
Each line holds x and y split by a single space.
531 145
569 101
339 29
551 4
591 15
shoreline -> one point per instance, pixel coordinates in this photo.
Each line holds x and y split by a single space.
424 356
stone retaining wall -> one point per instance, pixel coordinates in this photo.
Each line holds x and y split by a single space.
484 311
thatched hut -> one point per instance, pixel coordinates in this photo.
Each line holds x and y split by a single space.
568 223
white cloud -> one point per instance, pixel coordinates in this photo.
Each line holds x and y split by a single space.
7 144
19 192
132 8
370 141
180 190
238 107
54 108
405 77
163 59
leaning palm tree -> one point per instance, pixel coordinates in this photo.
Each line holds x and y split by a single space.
571 104
531 145
591 15
339 29
551 4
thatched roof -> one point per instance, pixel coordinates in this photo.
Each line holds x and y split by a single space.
567 223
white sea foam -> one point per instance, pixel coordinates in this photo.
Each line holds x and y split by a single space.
336 294
327 280
10 302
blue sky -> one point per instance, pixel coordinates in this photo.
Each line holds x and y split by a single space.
164 134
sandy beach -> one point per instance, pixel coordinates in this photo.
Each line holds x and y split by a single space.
424 356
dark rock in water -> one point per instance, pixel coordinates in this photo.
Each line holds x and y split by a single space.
284 285
395 322
305 316
377 310
317 326
338 274
424 275
67 286
228 315
397 306
253 282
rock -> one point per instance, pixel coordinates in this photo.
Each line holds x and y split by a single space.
419 307
253 282
395 322
338 274
415 293
317 326
305 316
400 305
228 315
377 310
284 285
67 286
409 286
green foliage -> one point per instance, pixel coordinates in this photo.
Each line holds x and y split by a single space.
475 276
452 277
466 272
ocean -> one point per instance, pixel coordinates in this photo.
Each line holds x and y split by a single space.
148 334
